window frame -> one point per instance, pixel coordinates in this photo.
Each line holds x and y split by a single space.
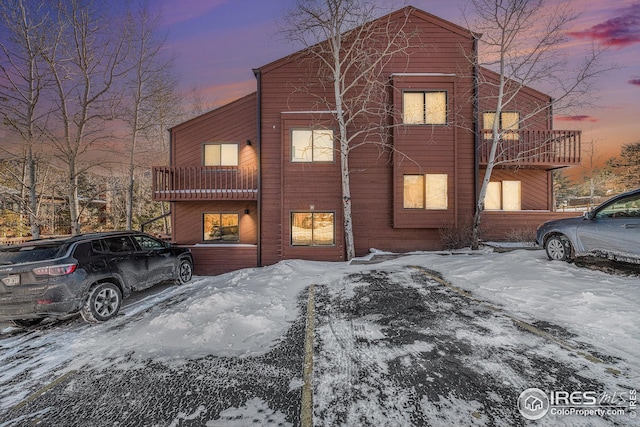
424 109
313 130
220 144
219 241
425 196
509 133
501 193
312 244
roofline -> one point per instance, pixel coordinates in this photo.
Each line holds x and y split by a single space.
407 10
209 113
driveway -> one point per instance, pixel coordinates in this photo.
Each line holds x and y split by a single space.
392 344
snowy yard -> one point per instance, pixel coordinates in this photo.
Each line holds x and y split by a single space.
376 324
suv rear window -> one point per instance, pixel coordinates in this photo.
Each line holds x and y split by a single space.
30 253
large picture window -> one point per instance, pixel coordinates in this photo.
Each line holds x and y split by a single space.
425 191
221 227
313 229
429 108
220 154
312 145
504 195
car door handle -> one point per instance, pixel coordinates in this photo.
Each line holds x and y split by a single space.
630 225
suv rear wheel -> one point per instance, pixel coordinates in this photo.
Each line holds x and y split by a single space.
185 272
103 303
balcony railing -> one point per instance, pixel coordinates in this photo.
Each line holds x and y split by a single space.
543 148
171 183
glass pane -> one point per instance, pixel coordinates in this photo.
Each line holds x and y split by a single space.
436 108
510 120
212 154
323 229
323 145
511 124
229 155
413 107
436 197
221 227
493 198
511 195
301 228
413 192
487 120
301 145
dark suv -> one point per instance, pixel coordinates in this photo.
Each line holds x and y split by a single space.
89 273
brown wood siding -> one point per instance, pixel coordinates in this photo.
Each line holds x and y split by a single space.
233 123
507 226
211 260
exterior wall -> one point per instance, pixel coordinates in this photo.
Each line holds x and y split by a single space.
505 226
286 88
289 99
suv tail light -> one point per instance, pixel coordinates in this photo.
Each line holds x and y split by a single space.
56 270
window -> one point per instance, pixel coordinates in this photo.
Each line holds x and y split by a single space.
509 124
312 229
425 191
148 244
119 244
221 227
626 208
309 145
505 195
428 108
221 154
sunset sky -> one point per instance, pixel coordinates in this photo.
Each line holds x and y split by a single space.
218 42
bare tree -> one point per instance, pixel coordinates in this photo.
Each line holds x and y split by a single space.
149 79
86 58
23 79
520 42
349 50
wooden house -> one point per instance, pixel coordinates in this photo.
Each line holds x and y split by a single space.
258 180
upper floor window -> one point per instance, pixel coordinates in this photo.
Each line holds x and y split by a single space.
309 145
425 191
220 154
509 124
429 108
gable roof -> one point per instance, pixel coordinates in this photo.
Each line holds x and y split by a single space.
398 14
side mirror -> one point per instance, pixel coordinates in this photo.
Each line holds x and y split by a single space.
587 215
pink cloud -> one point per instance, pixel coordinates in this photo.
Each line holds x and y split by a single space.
621 31
635 82
582 118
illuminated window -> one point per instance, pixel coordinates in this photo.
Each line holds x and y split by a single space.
312 229
221 154
509 124
221 227
505 195
425 191
311 145
428 108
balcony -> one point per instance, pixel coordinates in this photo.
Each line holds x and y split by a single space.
195 183
545 149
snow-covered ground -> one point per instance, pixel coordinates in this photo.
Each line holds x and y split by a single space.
246 313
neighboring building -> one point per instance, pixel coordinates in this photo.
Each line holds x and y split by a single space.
258 180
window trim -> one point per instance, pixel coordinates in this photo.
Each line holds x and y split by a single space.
312 130
425 204
220 213
204 150
312 245
424 112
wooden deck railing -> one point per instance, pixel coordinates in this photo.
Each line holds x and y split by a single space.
534 147
172 183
